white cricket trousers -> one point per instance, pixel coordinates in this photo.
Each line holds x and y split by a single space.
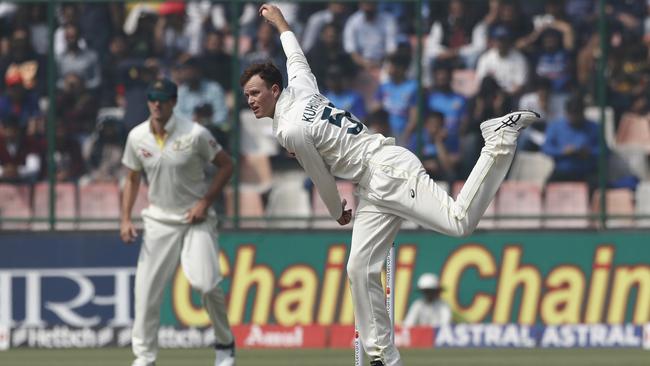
163 244
394 187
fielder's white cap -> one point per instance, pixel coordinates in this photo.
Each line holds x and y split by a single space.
428 281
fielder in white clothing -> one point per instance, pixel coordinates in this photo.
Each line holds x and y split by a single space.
179 222
429 310
392 184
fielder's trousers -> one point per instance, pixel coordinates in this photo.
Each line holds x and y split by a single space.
164 243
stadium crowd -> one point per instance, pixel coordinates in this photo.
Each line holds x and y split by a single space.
480 59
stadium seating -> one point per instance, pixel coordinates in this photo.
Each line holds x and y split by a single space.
566 198
634 130
99 201
288 198
251 207
593 114
531 167
65 207
643 204
619 201
519 198
14 203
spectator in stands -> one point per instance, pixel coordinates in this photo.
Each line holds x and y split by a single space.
341 95
139 28
76 106
265 48
440 153
75 60
98 22
203 114
175 38
554 62
222 17
117 53
377 122
216 62
103 151
509 14
18 102
504 63
539 100
553 19
135 76
329 51
20 156
443 99
370 35
573 144
430 310
455 38
398 96
629 72
34 17
22 58
68 159
489 101
336 14
68 14
196 90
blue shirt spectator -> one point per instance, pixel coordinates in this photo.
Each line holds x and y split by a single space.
18 103
572 142
398 98
554 62
342 96
196 91
443 99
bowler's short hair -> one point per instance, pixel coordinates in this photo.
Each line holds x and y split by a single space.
267 72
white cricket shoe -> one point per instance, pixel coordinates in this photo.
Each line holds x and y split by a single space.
505 129
225 356
143 362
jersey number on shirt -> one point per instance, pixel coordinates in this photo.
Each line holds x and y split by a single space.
336 119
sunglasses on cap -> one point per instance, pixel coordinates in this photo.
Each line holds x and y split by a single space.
156 96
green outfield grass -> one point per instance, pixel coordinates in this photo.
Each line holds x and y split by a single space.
453 357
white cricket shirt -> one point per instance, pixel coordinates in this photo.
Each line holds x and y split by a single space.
175 171
432 314
327 141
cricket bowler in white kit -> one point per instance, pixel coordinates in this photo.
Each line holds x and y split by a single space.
179 222
392 184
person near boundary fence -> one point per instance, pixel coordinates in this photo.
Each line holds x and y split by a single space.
392 183
179 222
429 310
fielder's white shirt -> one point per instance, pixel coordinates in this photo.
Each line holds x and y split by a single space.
510 72
175 171
433 314
327 142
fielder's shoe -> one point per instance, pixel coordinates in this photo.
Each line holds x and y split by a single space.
376 363
225 354
505 129
142 362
